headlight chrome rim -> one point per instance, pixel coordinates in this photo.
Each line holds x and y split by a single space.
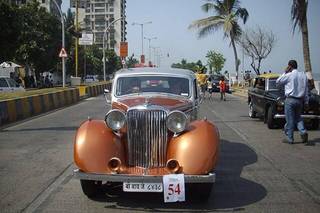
177 121
113 122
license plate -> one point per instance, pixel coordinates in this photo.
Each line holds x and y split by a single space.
142 187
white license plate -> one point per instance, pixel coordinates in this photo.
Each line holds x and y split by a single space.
142 187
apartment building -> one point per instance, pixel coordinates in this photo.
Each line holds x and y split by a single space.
96 16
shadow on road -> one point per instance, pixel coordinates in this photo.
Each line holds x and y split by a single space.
231 192
55 128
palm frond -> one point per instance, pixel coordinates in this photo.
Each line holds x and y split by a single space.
207 7
243 14
209 21
204 31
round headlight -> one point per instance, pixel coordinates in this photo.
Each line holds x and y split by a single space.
115 119
176 121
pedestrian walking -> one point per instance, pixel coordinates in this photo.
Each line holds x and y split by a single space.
222 85
296 91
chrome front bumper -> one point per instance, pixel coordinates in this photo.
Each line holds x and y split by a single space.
210 178
277 116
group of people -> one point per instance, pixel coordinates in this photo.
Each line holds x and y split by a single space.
206 84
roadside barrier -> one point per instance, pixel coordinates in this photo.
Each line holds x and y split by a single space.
21 108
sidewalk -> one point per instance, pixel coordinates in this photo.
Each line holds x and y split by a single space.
239 91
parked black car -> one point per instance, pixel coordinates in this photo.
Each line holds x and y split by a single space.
266 101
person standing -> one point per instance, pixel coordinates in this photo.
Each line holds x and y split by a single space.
222 85
296 91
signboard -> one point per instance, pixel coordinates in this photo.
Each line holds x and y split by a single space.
81 3
173 188
63 53
86 39
123 49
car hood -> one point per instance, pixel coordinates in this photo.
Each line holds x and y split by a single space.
169 103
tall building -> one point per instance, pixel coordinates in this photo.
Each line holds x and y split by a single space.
98 14
48 4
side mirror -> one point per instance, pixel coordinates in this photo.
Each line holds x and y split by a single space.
106 94
106 91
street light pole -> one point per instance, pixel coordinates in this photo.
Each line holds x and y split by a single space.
141 24
103 46
63 44
149 39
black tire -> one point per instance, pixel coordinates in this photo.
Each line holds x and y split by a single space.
199 192
252 113
90 187
271 122
314 124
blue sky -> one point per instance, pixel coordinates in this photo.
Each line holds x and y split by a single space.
171 18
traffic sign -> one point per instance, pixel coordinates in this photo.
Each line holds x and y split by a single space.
86 39
63 53
123 49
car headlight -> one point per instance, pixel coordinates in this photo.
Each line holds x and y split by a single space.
176 121
115 119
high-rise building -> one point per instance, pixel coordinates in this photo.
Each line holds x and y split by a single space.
48 4
98 14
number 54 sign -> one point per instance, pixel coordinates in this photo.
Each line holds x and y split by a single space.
173 188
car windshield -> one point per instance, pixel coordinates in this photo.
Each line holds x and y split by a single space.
273 85
154 84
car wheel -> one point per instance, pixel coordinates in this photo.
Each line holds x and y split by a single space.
90 187
252 113
199 192
314 124
271 122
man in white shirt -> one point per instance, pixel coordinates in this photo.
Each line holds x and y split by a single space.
296 91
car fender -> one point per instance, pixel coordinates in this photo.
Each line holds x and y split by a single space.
197 148
94 145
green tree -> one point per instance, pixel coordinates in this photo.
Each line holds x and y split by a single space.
10 26
131 61
227 16
195 67
113 62
215 61
299 17
40 39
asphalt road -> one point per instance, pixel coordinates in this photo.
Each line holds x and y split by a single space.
255 173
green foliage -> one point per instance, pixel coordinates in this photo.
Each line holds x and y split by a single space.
113 62
215 61
194 66
131 61
32 35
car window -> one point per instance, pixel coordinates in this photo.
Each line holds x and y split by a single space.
12 83
3 82
259 83
161 84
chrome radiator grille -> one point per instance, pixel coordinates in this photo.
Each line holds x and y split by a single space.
147 138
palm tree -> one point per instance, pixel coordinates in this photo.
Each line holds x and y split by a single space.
299 17
227 13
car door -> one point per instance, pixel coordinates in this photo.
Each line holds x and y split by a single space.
260 96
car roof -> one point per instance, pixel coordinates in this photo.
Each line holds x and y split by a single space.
156 70
269 75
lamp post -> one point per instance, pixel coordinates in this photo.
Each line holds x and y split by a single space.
103 43
141 24
63 44
149 39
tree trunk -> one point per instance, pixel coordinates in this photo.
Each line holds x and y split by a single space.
306 50
235 56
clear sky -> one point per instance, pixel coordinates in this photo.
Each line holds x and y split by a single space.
171 18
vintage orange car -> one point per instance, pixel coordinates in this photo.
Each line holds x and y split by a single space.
151 131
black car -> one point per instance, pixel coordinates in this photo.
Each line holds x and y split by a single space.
214 79
266 101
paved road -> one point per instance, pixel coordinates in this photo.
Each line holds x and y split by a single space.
256 172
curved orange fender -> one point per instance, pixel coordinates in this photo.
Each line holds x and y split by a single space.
197 148
95 144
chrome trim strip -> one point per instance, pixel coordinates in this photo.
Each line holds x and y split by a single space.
210 178
276 116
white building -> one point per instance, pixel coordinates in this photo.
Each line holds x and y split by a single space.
96 17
